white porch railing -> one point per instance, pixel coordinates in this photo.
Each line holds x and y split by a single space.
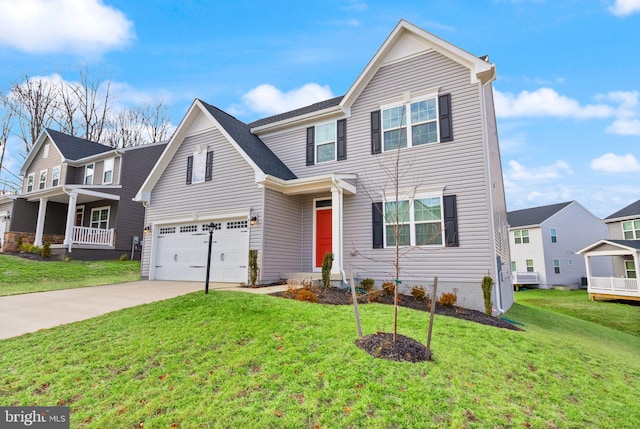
525 278
614 286
86 235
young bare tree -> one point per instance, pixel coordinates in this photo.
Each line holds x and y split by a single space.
155 118
6 123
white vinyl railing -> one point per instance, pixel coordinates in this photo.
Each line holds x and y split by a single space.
524 278
86 235
614 286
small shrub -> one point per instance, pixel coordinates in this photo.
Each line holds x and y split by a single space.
418 293
45 252
306 294
487 286
448 299
375 295
124 257
389 288
327 263
19 244
367 284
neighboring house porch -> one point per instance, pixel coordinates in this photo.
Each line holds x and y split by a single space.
624 284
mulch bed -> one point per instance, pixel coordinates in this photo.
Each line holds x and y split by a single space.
380 344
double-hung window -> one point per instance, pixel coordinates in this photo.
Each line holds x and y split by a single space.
414 222
631 229
554 235
529 263
100 218
556 266
325 142
200 166
43 179
55 176
630 270
88 173
31 178
521 236
107 173
410 124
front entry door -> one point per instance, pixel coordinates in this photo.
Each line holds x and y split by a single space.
323 234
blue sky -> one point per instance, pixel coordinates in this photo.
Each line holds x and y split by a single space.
567 92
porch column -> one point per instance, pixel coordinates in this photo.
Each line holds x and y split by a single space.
42 213
336 229
71 220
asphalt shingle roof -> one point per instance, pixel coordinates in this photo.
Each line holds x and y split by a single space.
629 243
255 148
74 148
535 215
632 209
298 112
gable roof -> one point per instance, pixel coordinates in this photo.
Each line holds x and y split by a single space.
332 102
632 209
255 148
625 245
535 215
71 148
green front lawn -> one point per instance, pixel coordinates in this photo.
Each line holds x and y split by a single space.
576 303
18 275
238 360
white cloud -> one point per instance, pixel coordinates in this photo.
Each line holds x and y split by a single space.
518 172
611 163
546 102
75 26
625 7
269 100
624 127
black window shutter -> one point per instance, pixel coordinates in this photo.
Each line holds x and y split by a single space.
444 105
450 221
342 139
189 169
376 132
208 171
311 147
378 225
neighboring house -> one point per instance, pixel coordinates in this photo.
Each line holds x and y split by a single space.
544 242
78 195
6 206
320 179
623 248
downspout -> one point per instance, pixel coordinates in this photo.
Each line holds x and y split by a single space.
340 190
497 283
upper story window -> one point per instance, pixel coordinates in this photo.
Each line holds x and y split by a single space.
107 174
31 178
417 120
199 167
55 176
631 229
88 173
417 222
521 236
45 151
554 235
43 179
327 142
556 266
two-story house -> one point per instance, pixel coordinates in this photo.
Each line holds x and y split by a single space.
545 241
78 196
622 247
323 178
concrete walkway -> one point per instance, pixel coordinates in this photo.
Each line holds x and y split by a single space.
21 314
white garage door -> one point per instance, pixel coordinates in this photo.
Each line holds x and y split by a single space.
181 252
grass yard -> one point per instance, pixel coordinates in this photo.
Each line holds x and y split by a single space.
576 303
237 360
19 275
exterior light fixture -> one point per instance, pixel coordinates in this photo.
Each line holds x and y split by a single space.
211 227
253 220
147 228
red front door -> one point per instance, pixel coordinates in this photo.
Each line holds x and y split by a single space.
323 234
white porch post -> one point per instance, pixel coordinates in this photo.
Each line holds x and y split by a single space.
336 229
587 265
42 213
71 220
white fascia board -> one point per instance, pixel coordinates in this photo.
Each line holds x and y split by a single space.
624 250
34 149
312 184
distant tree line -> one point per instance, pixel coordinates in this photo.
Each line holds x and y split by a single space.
85 108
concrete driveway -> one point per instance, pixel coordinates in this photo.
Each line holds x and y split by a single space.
21 314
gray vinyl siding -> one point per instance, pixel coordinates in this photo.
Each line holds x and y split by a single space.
40 163
282 248
459 165
576 229
615 231
24 216
232 187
